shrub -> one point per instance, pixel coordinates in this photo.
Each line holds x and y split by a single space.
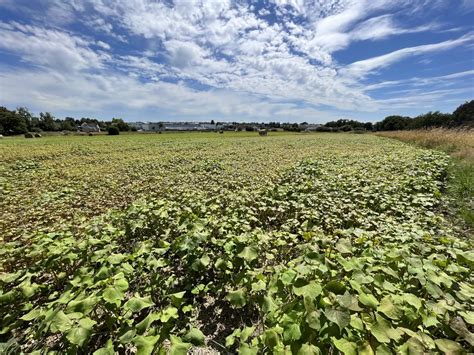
113 131
323 129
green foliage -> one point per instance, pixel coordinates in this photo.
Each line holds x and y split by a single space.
462 116
113 131
336 245
11 122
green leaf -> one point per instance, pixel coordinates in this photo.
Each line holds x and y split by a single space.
268 304
341 317
169 313
33 314
205 260
468 316
356 322
145 345
311 290
237 298
136 304
413 346
287 277
259 286
246 349
308 349
383 331
87 323
365 349
389 309
195 337
335 286
147 321
230 339
349 301
121 284
383 349
200 264
345 346
249 254
344 246
108 349
412 300
271 338
246 332
368 300
177 298
314 320
178 347
113 296
292 333
116 258
448 346
78 335
29 289
128 336
8 297
457 324
60 322
82 304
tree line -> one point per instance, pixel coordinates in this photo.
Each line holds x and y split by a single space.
21 120
463 116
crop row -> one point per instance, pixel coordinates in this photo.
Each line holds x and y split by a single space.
343 253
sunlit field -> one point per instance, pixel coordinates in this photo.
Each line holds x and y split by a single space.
188 242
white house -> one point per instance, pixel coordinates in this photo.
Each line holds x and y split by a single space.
89 127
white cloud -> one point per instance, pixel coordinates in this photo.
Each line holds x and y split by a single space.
49 48
92 93
368 66
417 81
227 47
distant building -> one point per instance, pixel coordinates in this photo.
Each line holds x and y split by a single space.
311 127
174 126
89 127
147 126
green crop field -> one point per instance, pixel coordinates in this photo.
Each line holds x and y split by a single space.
207 243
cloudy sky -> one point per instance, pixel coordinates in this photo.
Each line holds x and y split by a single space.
272 60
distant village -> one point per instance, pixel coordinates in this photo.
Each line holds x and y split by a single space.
211 126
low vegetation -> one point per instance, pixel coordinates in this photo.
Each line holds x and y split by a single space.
302 244
459 143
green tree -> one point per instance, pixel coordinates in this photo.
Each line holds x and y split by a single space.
113 131
120 124
69 124
464 114
393 123
11 122
47 122
30 120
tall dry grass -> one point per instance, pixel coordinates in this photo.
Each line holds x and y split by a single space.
457 142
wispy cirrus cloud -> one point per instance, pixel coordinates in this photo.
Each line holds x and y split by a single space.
367 66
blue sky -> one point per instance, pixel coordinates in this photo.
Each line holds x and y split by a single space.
273 60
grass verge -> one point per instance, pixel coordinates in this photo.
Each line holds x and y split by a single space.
460 145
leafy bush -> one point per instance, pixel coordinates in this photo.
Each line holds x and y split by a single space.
113 131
